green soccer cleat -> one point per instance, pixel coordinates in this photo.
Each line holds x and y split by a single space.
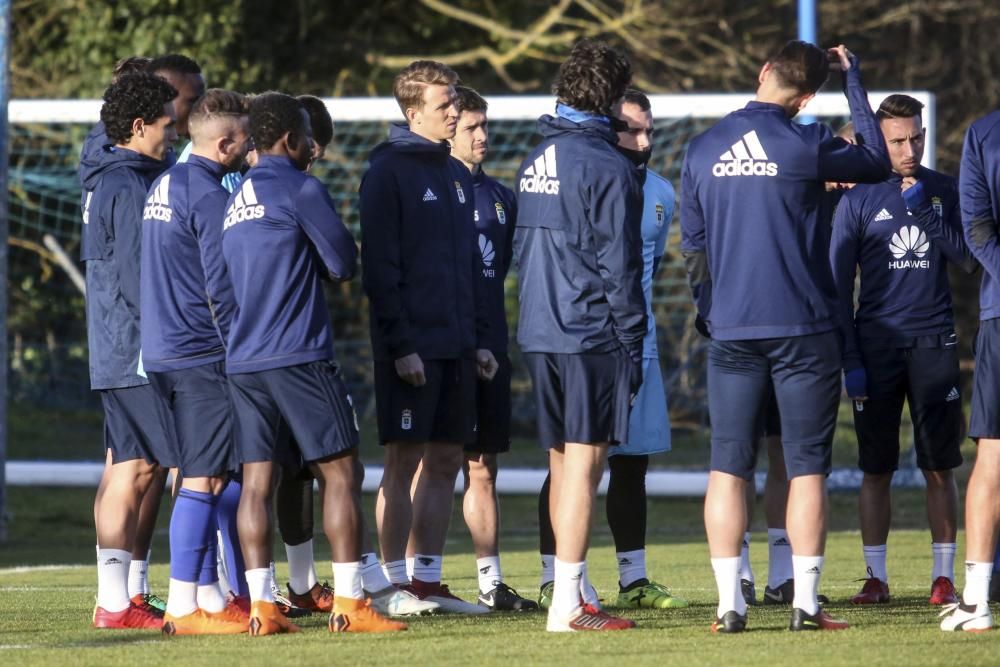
649 595
545 594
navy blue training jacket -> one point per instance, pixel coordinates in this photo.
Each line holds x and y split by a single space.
979 190
420 251
754 221
281 236
578 243
187 300
115 182
496 217
902 243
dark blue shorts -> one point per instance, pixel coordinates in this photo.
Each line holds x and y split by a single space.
442 410
310 402
582 398
138 425
984 421
805 371
199 401
493 412
927 377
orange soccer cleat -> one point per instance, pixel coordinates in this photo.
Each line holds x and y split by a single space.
351 615
317 598
267 619
201 622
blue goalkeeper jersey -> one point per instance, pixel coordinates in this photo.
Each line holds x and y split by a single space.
657 211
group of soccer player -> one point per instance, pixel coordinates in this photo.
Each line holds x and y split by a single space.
211 342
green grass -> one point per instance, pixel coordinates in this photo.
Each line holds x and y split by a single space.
44 614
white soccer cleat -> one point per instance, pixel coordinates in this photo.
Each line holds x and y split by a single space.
393 601
439 593
966 617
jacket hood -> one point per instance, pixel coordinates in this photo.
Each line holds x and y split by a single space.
108 158
402 140
553 126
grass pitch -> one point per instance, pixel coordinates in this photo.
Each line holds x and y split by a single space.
45 611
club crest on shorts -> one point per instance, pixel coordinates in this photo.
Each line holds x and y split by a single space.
937 206
501 214
461 193
660 214
406 422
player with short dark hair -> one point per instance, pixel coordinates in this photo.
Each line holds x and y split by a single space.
139 122
583 316
756 245
282 224
184 74
900 343
428 324
186 304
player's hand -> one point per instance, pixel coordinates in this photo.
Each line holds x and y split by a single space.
410 369
856 384
840 58
907 183
486 364
701 326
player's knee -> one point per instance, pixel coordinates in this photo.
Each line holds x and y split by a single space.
443 461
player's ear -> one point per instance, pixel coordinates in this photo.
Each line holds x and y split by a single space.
764 71
292 139
138 127
412 115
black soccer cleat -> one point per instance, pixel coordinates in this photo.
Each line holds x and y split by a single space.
818 621
749 592
731 622
505 598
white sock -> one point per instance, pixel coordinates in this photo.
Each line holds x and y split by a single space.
220 564
373 579
746 572
727 580
631 566
182 597
347 580
587 591
489 573
875 561
779 557
210 598
301 568
427 567
112 579
977 582
409 567
138 584
548 569
566 594
944 560
807 571
259 584
395 572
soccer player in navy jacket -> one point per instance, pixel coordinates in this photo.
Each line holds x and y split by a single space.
281 238
979 195
139 124
583 316
428 323
187 306
900 343
756 244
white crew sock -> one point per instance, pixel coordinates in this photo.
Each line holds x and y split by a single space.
779 557
373 579
746 572
548 569
347 580
138 573
301 567
587 591
259 582
489 573
566 593
631 566
875 561
977 582
220 565
409 567
727 580
427 567
112 579
395 572
944 560
210 598
182 597
807 571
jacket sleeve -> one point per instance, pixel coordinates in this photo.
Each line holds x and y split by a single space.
868 160
126 220
844 248
206 224
317 215
977 206
616 217
693 246
381 257
946 231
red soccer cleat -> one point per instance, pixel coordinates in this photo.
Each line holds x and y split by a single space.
943 592
130 618
587 619
317 598
874 591
818 621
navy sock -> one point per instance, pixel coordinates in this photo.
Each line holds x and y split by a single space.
229 502
209 573
190 531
